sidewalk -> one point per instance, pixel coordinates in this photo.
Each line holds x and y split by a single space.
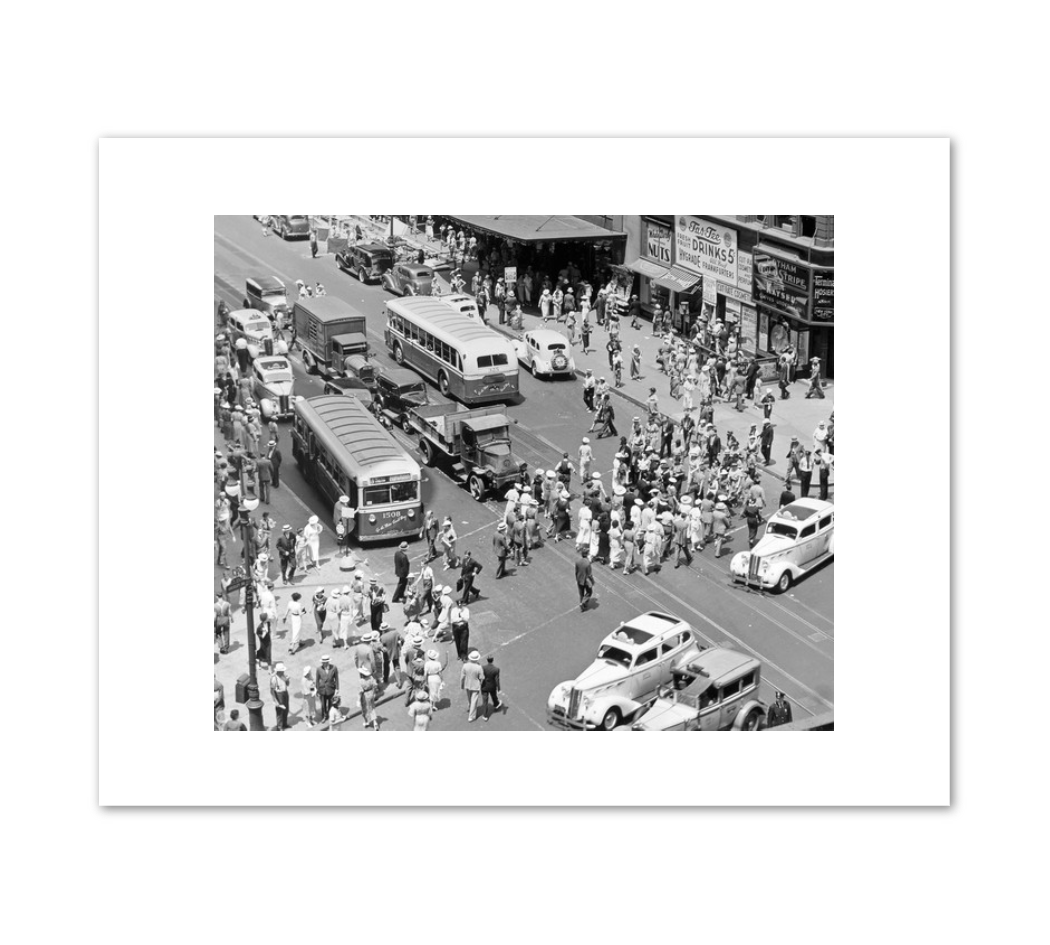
796 416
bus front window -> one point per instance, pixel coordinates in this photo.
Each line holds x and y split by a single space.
385 495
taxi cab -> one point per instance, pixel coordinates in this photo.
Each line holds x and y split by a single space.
545 352
633 663
272 386
254 328
797 538
716 691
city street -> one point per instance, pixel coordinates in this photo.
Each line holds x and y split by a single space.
529 621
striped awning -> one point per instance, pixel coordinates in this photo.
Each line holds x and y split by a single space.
646 268
678 280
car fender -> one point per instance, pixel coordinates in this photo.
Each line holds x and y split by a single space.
595 712
742 714
267 407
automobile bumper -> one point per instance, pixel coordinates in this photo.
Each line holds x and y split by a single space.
558 718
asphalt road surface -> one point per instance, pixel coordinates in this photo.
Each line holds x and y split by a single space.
530 621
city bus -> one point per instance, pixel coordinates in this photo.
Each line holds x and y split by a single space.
464 358
342 449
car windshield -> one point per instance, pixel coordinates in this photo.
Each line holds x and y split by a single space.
297 219
782 528
257 326
614 655
273 293
417 394
277 364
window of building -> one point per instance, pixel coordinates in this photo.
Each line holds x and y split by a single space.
809 227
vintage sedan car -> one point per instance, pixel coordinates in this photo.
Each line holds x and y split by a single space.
291 226
272 386
464 304
409 279
716 691
398 390
267 294
547 352
632 665
368 261
254 327
797 538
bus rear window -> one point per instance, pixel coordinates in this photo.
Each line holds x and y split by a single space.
395 492
492 360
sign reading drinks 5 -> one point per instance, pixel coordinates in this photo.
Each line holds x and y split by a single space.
706 248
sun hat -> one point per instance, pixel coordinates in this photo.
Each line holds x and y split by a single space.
313 520
432 654
364 670
344 499
474 656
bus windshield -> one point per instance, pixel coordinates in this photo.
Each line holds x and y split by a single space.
395 492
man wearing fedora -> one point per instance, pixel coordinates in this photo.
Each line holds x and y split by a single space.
286 552
279 691
401 572
470 678
499 547
327 682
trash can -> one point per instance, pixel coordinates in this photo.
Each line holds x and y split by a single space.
241 689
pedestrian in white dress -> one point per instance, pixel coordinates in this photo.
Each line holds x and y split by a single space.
312 533
295 610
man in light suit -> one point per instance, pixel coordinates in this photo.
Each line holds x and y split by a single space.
470 677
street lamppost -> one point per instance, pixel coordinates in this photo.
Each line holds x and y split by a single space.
248 503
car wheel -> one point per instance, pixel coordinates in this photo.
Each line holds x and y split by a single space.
409 290
611 719
399 355
361 275
426 450
831 545
443 383
752 721
477 488
785 581
532 368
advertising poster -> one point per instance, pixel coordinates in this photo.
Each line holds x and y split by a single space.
782 284
763 331
749 327
824 295
744 271
658 242
706 248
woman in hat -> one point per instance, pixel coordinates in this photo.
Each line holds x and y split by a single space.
309 696
416 674
312 531
420 710
447 542
433 668
368 698
424 588
377 604
302 551
264 636
320 612
358 595
295 609
429 531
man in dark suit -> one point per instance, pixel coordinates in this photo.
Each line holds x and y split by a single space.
714 447
401 569
286 552
273 454
584 577
490 687
264 470
766 442
327 684
779 712
751 377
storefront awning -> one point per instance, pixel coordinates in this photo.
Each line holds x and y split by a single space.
646 268
678 280
539 229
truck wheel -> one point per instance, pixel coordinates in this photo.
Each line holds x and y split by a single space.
752 721
477 487
399 355
785 581
443 383
611 719
310 364
426 450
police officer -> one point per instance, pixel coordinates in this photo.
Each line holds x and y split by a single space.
779 712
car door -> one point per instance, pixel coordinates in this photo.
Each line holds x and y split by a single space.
646 676
730 703
825 527
808 543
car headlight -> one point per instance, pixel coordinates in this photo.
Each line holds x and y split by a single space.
764 567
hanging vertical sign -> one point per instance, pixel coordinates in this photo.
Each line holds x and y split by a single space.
658 242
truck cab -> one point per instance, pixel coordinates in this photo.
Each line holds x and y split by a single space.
267 294
485 444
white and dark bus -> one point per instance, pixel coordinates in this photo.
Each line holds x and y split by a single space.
463 357
342 449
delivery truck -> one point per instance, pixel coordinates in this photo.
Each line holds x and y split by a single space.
328 331
476 443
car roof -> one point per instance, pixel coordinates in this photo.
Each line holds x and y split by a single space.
373 247
548 335
802 510
643 629
348 383
401 377
458 297
719 661
266 282
417 270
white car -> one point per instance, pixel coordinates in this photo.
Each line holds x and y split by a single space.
273 386
547 352
632 665
797 538
463 303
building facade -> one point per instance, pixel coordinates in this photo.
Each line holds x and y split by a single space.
772 276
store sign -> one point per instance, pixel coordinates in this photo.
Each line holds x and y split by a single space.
744 271
706 248
658 242
732 292
749 327
711 291
510 274
823 295
782 284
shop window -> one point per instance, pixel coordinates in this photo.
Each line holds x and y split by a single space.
809 227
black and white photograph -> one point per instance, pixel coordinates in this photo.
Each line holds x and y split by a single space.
523 472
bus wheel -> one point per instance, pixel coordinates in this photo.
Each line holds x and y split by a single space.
426 450
399 355
477 487
443 383
785 581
